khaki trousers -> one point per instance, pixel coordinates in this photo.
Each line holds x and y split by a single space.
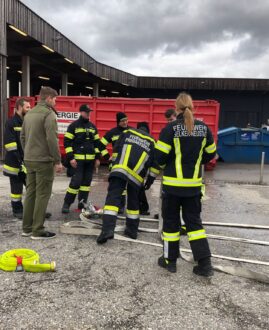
39 182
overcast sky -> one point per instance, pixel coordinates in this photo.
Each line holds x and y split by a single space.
172 38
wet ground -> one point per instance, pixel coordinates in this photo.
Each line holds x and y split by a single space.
120 286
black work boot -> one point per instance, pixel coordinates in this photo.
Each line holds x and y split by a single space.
17 209
18 214
170 265
104 236
65 208
48 215
131 228
107 231
204 267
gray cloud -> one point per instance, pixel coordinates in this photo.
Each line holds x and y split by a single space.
119 32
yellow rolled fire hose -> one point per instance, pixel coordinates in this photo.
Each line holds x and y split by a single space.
24 260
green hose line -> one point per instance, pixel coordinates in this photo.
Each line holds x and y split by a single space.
24 259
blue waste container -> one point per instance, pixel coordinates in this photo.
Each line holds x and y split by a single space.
243 145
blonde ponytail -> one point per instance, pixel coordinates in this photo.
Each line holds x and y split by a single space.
184 105
188 120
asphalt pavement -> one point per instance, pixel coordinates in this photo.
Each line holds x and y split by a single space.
120 286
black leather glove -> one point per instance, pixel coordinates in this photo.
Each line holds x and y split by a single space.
149 182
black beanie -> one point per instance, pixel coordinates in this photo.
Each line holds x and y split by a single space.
120 116
143 125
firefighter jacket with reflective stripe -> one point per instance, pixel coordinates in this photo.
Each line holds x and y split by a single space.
12 144
181 154
82 142
134 157
113 135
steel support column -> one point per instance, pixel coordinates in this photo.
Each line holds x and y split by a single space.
25 90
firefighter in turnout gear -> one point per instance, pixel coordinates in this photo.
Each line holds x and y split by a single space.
112 137
182 147
134 158
143 201
13 165
82 144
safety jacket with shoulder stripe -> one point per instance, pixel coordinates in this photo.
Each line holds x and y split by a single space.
12 144
134 157
82 142
113 135
181 154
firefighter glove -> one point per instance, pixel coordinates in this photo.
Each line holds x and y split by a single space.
149 182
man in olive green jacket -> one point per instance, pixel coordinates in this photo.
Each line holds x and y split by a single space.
39 140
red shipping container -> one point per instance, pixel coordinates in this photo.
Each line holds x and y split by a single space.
149 110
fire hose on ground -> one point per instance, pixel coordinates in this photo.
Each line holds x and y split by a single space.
90 226
24 260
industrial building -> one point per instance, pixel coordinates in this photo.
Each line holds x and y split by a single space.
33 53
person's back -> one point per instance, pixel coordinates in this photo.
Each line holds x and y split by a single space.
182 147
134 155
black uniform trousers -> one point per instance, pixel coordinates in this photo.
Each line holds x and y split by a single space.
80 182
191 209
16 188
143 201
113 202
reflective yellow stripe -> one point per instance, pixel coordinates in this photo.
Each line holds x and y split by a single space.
104 141
114 155
132 211
17 128
72 191
177 182
90 157
211 148
84 188
69 135
124 192
143 156
141 135
171 237
11 169
164 147
197 234
198 163
84 157
80 130
96 137
79 157
68 149
178 159
115 138
97 151
16 196
11 146
127 155
128 170
154 170
111 208
104 152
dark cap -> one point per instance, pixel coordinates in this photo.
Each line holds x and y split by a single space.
144 126
85 108
121 116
